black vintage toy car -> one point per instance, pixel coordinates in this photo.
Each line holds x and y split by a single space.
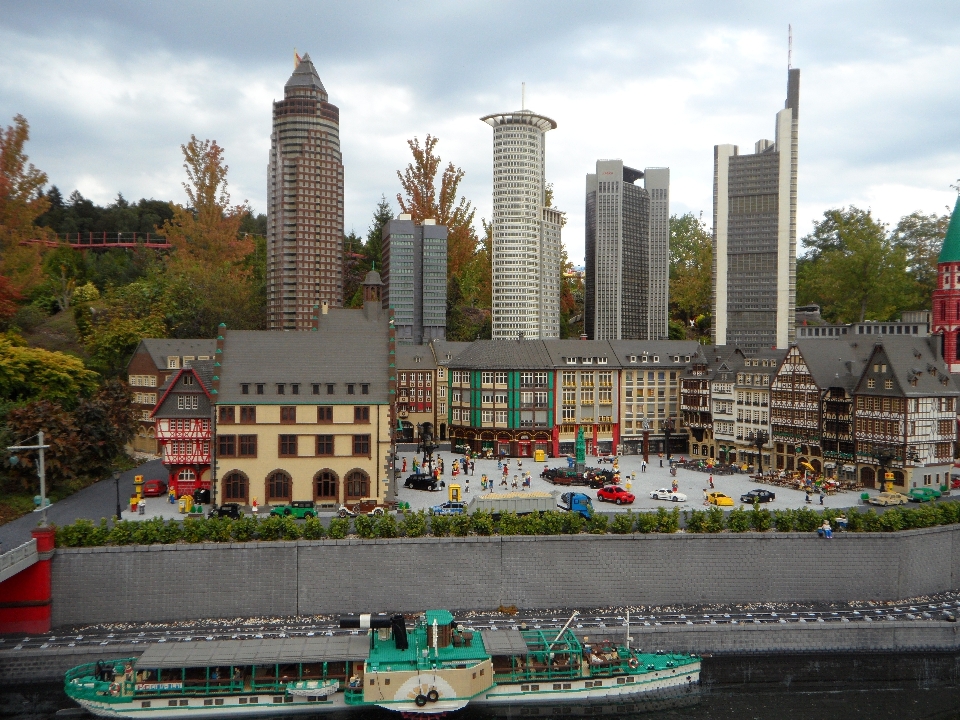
229 510
421 481
758 495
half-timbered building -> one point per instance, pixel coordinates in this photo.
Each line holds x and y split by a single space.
183 427
695 409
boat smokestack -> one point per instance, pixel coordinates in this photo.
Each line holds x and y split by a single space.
366 621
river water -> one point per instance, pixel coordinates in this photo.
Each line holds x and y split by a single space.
903 686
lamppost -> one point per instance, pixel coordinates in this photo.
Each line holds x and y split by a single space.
116 482
759 440
40 471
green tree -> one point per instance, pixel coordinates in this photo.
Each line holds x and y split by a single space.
921 237
691 270
28 374
853 269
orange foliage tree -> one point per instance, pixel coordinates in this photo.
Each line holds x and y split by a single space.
424 201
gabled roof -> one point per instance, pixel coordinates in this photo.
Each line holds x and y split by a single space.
305 75
950 252
835 362
666 350
350 347
160 349
918 370
415 357
504 355
445 351
560 350
202 370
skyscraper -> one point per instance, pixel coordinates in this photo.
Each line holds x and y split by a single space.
755 236
526 233
627 253
304 203
415 276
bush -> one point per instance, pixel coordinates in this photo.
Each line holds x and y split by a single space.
760 520
597 525
386 526
270 528
122 533
622 523
439 525
244 529
149 532
739 520
414 524
948 512
646 523
696 522
339 528
854 520
573 523
195 530
460 525
714 523
892 520
806 520
172 532
289 529
219 530
509 524
365 527
482 523
668 522
871 521
783 520
313 529
531 524
552 523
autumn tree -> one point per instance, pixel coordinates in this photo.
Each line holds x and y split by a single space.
21 202
691 271
425 201
853 269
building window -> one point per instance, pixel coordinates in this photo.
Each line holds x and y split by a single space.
248 414
871 383
888 384
288 445
281 389
288 414
365 389
330 388
316 388
188 379
187 402
361 414
358 484
279 486
325 414
235 487
325 486
350 389
259 388
173 363
501 378
248 446
486 378
227 445
244 388
324 444
361 445
227 414
487 416
501 416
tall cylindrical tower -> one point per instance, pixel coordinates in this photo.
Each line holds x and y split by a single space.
526 233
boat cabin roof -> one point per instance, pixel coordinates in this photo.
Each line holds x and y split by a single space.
267 651
504 642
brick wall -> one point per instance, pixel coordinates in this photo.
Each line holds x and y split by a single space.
180 582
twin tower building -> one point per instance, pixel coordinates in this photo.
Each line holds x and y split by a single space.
627 238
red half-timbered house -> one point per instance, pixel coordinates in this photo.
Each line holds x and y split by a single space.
182 417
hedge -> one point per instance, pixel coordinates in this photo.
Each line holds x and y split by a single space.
84 533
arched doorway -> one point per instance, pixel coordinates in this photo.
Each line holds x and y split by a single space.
279 487
326 487
236 487
867 477
357 485
186 481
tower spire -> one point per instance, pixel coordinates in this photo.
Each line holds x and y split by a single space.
523 96
789 46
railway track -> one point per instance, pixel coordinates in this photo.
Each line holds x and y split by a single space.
603 622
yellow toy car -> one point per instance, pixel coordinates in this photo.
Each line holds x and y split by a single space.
717 498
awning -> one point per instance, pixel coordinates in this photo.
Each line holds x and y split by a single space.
849 468
829 466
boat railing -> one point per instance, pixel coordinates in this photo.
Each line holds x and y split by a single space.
353 695
82 682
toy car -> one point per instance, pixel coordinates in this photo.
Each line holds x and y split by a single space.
923 494
230 510
297 509
758 495
421 481
449 508
666 494
615 494
154 488
368 506
718 498
888 498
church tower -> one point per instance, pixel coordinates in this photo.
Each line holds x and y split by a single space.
946 298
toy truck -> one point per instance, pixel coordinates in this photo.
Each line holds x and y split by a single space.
578 503
521 503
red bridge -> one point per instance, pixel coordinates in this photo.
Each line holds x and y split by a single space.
105 241
25 585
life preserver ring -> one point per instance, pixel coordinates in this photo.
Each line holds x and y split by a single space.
114 689
420 700
633 663
433 695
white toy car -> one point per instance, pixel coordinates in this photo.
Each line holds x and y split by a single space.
667 494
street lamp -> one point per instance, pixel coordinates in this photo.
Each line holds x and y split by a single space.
116 482
667 431
41 472
759 440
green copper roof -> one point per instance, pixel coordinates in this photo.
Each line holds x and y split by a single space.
950 252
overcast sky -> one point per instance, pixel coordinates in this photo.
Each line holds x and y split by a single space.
111 90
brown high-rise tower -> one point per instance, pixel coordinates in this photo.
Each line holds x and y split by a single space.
304 204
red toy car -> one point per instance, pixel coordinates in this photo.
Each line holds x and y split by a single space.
615 494
154 488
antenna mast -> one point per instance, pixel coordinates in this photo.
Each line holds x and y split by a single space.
523 96
789 46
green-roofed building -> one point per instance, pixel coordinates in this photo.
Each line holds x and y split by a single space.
946 298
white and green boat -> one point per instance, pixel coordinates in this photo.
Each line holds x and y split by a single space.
438 667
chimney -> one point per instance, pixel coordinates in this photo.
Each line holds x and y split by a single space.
429 221
583 336
218 358
324 307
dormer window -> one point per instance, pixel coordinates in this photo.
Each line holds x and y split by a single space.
571 361
586 361
601 361
188 379
330 388
656 358
295 389
281 389
417 359
316 388
260 387
244 388
351 389
364 389
644 359
633 358
173 362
